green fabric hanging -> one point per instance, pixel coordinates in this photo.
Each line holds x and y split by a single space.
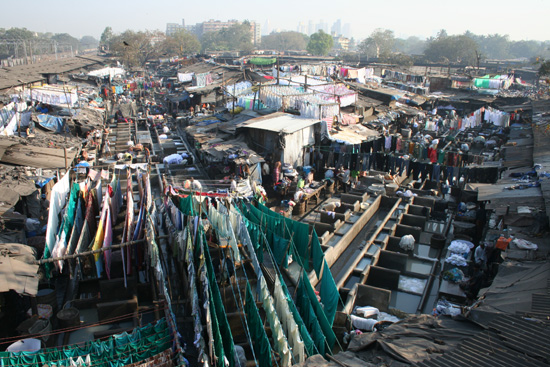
308 342
185 205
316 253
218 343
110 352
280 251
262 61
310 320
262 349
329 294
306 290
219 309
254 233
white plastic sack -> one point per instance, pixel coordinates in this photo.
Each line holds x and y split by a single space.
362 323
524 244
367 311
407 242
457 260
460 246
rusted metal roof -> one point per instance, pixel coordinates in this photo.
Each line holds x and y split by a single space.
508 341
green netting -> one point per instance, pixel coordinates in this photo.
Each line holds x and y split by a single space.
262 349
262 61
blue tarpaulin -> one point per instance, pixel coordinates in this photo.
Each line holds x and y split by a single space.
52 123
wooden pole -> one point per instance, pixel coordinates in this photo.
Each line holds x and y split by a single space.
100 250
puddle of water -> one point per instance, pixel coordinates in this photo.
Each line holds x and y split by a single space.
422 250
419 266
425 251
410 284
405 302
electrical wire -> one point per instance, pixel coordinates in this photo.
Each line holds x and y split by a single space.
11 339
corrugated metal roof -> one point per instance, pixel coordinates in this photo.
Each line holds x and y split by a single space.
31 73
280 122
508 341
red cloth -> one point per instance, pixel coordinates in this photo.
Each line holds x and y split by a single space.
432 154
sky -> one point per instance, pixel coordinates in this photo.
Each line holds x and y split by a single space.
521 20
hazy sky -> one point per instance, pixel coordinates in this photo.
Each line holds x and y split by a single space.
525 19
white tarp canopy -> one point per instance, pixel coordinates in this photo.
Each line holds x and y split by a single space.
111 72
53 95
12 115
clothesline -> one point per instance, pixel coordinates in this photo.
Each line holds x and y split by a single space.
100 250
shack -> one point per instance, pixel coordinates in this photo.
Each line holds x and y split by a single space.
287 137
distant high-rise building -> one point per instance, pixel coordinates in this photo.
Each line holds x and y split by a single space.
346 30
256 30
310 28
323 26
337 28
172 28
267 28
215 25
301 28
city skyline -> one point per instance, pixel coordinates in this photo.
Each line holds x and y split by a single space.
358 19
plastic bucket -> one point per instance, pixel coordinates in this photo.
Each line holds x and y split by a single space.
437 241
36 326
47 295
68 317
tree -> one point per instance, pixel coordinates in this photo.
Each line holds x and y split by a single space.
410 46
284 41
66 42
544 67
238 37
494 46
379 44
88 42
17 34
320 43
106 36
452 49
181 42
135 48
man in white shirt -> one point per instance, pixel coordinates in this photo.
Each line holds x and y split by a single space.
195 185
480 256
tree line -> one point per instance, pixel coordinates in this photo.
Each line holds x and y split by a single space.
138 47
21 42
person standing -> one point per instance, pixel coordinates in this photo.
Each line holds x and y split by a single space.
266 173
277 172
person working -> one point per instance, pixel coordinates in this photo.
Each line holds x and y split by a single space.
195 185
